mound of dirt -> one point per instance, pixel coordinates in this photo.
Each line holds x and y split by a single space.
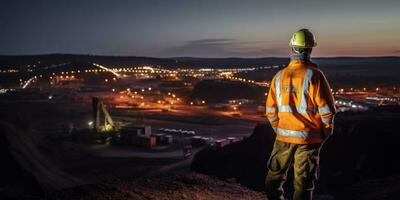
25 171
362 148
184 185
244 161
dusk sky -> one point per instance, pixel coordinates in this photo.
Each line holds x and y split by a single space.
201 28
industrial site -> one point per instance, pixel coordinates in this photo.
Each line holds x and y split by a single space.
83 122
199 100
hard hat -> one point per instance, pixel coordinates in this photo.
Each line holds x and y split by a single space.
303 39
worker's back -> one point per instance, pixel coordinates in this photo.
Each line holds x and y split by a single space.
300 108
299 102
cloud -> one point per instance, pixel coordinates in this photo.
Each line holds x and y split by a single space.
223 47
205 47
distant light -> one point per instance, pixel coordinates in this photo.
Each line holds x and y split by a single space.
90 123
50 97
203 102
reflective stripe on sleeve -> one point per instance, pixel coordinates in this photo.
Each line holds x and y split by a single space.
273 119
324 110
291 133
326 120
270 109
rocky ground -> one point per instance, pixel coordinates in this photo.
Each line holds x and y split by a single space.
184 185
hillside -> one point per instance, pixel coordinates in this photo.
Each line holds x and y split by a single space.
184 186
359 156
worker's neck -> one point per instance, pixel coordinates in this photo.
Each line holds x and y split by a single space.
300 57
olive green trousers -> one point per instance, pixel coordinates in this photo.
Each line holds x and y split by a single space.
305 160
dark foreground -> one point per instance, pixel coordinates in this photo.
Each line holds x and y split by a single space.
359 161
184 185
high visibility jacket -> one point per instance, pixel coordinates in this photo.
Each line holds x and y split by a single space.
300 104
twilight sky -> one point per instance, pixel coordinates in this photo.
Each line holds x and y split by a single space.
202 28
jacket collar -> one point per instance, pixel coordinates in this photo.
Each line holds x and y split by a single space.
295 64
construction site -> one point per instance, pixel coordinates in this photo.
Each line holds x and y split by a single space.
82 130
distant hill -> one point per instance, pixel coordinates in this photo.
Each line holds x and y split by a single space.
49 59
339 63
341 71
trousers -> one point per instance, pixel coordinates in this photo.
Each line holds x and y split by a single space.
305 161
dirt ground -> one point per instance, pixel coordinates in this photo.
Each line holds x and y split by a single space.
184 185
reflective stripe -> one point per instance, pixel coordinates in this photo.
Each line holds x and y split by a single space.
270 109
305 90
291 133
302 108
285 108
326 120
274 127
278 88
324 110
290 109
273 119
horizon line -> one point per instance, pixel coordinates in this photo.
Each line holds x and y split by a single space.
196 57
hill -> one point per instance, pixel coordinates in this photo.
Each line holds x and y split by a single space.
359 156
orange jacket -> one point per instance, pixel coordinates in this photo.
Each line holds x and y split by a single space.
300 104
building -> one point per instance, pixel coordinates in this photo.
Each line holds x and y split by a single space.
138 130
138 135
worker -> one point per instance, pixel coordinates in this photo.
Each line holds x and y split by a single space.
300 108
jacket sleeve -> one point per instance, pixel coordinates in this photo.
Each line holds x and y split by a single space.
272 106
325 102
